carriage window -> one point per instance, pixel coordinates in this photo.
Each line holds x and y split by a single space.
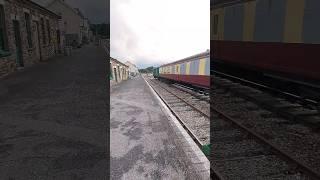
215 24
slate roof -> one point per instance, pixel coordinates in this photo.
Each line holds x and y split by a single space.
43 3
42 7
46 3
79 12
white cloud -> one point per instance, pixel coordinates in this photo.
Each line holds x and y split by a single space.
158 31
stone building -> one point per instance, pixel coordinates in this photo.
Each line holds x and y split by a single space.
118 71
133 70
70 20
84 27
28 34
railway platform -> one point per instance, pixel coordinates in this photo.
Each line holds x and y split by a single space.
144 142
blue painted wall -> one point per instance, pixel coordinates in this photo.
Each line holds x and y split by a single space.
311 22
270 17
233 22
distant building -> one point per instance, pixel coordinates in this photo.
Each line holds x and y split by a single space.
84 27
91 37
70 21
29 33
118 71
133 70
86 31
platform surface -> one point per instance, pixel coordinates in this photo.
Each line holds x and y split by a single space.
53 119
142 145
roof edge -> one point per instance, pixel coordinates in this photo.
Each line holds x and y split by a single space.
43 8
203 54
118 61
228 3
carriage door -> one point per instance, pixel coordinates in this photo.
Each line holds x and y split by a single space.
17 36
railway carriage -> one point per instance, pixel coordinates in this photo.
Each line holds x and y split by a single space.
194 70
279 38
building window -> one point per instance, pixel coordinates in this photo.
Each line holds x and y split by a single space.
28 27
215 24
3 34
44 39
49 32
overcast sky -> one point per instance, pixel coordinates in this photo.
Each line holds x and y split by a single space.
95 10
154 32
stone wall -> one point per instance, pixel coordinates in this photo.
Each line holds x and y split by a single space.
7 65
118 71
15 10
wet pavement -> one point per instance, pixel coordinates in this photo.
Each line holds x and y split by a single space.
53 119
141 139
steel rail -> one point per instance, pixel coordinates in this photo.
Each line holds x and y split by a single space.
184 125
267 88
198 110
215 174
302 166
182 88
271 105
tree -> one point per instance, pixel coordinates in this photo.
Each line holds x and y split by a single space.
147 70
101 30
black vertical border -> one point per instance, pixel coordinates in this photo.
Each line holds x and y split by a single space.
108 89
211 87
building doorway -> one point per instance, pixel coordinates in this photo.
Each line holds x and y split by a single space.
16 28
119 73
37 40
59 41
115 74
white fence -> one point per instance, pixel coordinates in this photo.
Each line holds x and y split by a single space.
105 43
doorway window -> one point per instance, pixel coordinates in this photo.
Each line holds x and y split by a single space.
44 39
115 74
49 31
3 34
28 27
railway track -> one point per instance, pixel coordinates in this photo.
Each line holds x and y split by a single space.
240 153
253 138
187 108
190 97
283 103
